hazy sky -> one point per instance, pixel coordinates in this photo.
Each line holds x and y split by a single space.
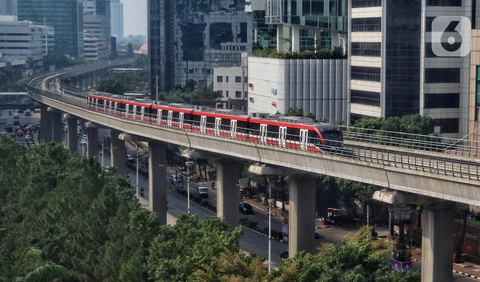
134 17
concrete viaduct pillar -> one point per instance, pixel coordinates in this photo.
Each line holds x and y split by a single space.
72 133
228 171
301 205
437 242
157 181
45 124
437 233
57 125
117 150
301 214
92 141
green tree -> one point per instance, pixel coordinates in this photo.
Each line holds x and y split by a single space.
189 246
30 268
114 86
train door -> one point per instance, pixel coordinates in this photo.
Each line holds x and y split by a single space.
233 128
181 117
142 113
218 122
169 118
282 136
134 112
115 108
105 106
159 116
203 124
303 139
263 133
95 103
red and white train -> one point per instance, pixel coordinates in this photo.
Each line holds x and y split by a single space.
288 132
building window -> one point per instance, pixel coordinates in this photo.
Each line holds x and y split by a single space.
226 78
238 79
366 3
220 93
246 94
366 49
448 125
442 75
365 73
226 93
449 3
444 100
366 24
246 79
219 78
365 98
238 94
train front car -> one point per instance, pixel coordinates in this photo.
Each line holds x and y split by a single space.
331 137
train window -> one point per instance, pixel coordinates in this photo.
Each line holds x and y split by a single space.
139 110
254 128
293 134
210 122
241 127
272 131
196 120
313 137
187 117
332 135
225 124
175 116
164 115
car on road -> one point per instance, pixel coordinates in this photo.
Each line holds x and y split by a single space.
174 177
3 121
201 191
130 158
27 114
83 141
245 208
8 129
179 184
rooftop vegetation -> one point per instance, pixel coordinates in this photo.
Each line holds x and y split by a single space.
337 53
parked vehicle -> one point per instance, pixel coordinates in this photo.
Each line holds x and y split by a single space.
174 177
284 255
245 208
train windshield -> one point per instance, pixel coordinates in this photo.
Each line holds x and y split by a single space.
332 135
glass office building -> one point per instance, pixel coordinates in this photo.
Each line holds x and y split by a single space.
66 16
395 72
188 38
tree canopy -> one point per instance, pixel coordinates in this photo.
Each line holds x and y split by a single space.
124 82
63 215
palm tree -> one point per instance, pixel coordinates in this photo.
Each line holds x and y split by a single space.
30 268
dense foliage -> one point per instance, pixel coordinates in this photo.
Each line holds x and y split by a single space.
124 82
202 95
63 215
337 53
60 61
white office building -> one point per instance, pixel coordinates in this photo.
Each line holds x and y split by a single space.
20 39
116 18
95 28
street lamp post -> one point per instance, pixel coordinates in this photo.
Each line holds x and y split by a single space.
269 228
189 164
137 171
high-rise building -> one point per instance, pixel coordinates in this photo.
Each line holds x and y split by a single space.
8 7
89 7
66 16
116 18
20 39
398 66
95 32
186 41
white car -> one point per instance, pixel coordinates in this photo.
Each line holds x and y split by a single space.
83 141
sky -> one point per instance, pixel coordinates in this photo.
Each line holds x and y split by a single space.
134 17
